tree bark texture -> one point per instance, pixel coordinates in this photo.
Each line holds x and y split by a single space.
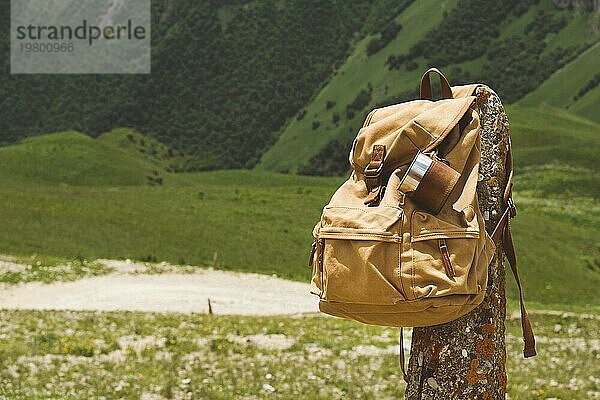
466 358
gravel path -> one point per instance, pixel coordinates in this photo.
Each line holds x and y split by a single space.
229 293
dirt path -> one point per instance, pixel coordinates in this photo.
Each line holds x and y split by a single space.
229 293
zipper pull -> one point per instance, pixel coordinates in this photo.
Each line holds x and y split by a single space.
446 258
313 250
320 249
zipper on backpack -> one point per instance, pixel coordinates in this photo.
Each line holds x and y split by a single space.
320 256
313 250
446 258
316 248
316 256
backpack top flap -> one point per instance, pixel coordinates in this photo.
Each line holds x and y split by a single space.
405 129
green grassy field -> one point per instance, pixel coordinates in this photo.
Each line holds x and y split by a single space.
234 219
82 355
67 195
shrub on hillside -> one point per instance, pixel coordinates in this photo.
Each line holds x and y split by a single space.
362 99
395 61
335 118
332 160
387 34
592 84
411 65
301 115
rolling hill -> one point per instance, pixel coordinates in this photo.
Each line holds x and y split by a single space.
121 157
70 158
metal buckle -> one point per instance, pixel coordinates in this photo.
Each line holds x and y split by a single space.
511 206
373 172
442 244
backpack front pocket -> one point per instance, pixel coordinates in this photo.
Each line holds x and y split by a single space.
444 257
361 267
360 255
444 266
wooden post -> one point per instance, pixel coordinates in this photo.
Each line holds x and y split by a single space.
466 358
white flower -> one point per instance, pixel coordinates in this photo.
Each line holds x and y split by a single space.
268 388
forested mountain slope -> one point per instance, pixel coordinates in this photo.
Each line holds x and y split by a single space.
531 52
283 83
225 76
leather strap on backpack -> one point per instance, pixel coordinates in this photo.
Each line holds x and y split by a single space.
502 235
401 357
425 88
373 175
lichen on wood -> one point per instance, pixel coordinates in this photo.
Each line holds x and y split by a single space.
466 358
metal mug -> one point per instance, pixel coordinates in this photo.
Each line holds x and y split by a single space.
429 181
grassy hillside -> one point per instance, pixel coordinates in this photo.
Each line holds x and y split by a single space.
261 221
121 157
567 87
70 158
555 153
153 151
519 48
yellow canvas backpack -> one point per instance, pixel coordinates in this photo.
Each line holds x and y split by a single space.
403 241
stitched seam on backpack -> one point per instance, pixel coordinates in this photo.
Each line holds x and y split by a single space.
414 292
451 234
424 129
360 209
400 268
369 118
366 237
413 143
412 257
451 124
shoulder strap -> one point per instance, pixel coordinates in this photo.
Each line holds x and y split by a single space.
502 235
402 359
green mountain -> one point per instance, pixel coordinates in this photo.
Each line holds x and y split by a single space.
238 83
529 52
225 76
